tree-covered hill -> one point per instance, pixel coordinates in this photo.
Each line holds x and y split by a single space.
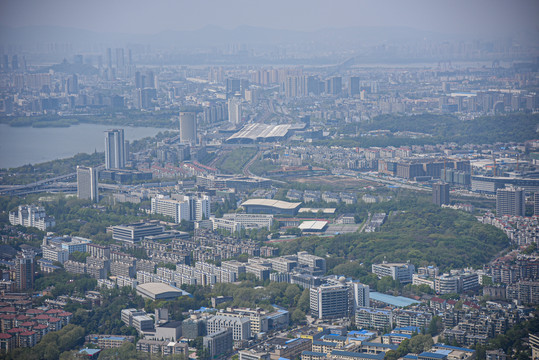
423 235
482 130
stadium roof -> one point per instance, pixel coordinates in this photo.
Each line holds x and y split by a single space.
256 132
271 203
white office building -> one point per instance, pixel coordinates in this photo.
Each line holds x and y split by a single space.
234 111
329 301
191 208
87 183
398 271
241 326
178 210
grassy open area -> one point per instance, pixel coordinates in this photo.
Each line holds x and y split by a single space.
235 160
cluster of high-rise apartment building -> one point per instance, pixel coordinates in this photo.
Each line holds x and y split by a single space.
33 216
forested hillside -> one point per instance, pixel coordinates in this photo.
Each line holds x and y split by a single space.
430 235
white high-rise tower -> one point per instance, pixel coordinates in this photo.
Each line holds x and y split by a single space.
114 149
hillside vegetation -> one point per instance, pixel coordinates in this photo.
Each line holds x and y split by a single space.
428 235
482 130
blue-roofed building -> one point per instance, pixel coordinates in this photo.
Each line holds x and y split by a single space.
347 355
90 353
313 355
410 357
109 342
361 335
441 352
341 340
395 338
324 346
427 355
409 330
376 348
449 347
396 301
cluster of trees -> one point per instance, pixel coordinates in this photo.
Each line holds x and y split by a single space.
424 235
31 173
417 344
247 294
51 345
81 218
443 128
64 283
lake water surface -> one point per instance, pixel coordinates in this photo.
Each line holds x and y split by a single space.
27 145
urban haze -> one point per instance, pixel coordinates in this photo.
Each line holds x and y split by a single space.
269 180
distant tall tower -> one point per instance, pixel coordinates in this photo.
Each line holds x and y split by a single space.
510 201
24 270
120 58
114 149
440 194
335 85
188 128
108 58
232 87
87 183
353 86
234 111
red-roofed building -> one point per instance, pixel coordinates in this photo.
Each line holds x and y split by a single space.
41 330
34 312
66 317
15 333
28 325
437 303
7 343
469 304
20 319
42 319
27 339
7 321
55 324
53 312
23 304
451 303
8 310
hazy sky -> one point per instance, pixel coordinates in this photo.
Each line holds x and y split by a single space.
152 16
